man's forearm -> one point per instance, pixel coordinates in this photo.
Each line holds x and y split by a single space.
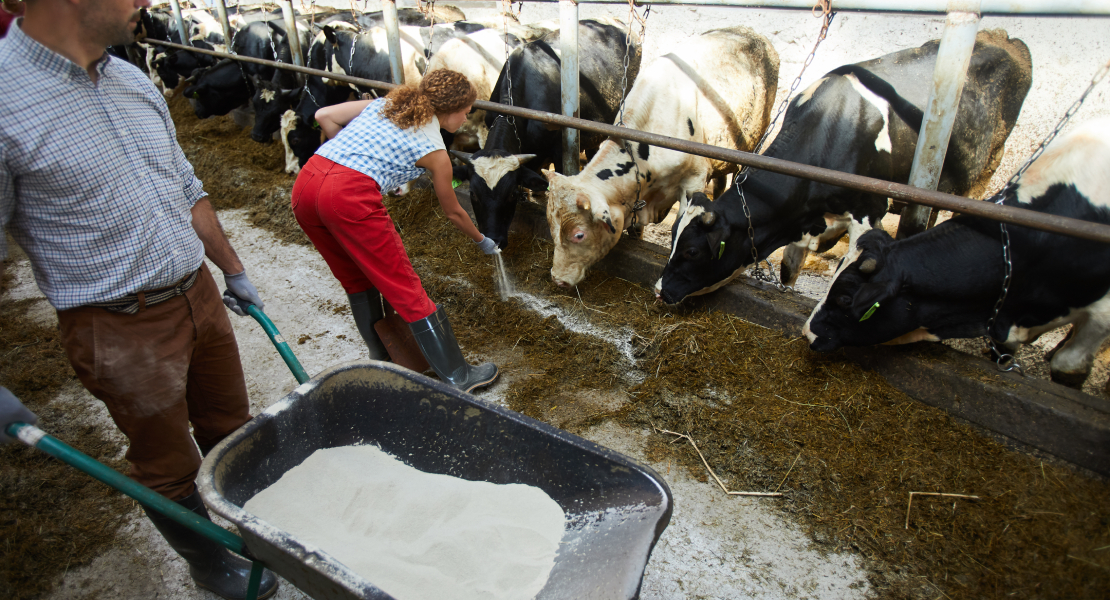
216 246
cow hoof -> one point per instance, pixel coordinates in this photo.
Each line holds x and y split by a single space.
1072 380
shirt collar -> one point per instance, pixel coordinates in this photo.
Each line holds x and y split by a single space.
44 58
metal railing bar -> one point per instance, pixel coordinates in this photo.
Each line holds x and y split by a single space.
938 200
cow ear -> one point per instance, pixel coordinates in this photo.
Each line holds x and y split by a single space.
329 33
460 172
717 234
873 294
531 180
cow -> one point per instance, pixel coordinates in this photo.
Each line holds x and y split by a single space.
342 49
479 56
532 73
281 90
944 283
716 89
861 119
219 89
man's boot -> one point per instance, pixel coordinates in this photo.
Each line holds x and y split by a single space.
437 341
212 566
366 308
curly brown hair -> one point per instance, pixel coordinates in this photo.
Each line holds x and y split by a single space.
442 91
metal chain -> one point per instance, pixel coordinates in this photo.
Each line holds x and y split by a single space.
506 12
741 176
639 203
1008 362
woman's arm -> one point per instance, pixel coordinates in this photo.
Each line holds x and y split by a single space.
335 117
440 165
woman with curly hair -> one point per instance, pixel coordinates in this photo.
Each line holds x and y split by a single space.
376 145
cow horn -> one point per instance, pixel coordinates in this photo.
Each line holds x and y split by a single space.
868 266
463 156
523 158
708 218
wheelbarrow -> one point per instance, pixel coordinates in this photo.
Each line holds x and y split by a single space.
616 508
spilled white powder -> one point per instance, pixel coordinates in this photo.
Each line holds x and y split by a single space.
413 534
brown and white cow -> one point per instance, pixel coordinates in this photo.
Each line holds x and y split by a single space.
716 89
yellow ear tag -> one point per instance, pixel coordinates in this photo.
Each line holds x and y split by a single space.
721 252
870 311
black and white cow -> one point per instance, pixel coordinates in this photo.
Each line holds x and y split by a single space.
341 49
479 56
716 88
219 89
497 170
944 283
860 119
275 90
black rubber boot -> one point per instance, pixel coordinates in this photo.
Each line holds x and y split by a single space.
437 341
366 308
212 566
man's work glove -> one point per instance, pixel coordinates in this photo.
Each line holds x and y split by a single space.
487 245
12 410
240 293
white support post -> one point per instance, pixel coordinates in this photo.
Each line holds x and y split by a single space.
949 76
393 38
180 22
293 36
221 12
568 42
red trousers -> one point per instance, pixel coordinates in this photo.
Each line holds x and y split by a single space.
159 370
341 211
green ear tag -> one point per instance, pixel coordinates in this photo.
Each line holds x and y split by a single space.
455 183
721 252
870 311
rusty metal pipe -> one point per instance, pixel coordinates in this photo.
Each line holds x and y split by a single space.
939 200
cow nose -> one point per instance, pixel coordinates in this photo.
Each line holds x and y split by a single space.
560 282
261 139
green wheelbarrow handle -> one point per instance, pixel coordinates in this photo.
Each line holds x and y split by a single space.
37 438
275 336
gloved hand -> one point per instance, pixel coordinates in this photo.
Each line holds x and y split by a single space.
12 410
240 288
487 245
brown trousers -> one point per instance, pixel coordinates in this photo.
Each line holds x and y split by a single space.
169 365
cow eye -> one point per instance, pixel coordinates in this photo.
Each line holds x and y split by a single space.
844 301
690 253
578 236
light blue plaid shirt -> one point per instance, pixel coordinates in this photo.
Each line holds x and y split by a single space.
371 144
93 185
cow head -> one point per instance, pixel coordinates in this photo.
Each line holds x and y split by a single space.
709 248
495 177
868 302
270 102
584 227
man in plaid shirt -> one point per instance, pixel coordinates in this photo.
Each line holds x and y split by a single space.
97 192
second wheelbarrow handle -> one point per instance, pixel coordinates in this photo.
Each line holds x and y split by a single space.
275 336
37 438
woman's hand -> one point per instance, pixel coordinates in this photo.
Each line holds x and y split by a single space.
439 163
334 118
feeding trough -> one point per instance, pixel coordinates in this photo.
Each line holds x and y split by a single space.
616 508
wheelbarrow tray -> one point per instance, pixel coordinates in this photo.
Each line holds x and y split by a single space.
616 508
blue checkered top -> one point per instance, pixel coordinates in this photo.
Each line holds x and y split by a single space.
373 145
93 183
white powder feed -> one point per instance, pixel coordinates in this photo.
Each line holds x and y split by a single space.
413 534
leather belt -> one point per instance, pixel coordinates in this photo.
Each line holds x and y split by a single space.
133 303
